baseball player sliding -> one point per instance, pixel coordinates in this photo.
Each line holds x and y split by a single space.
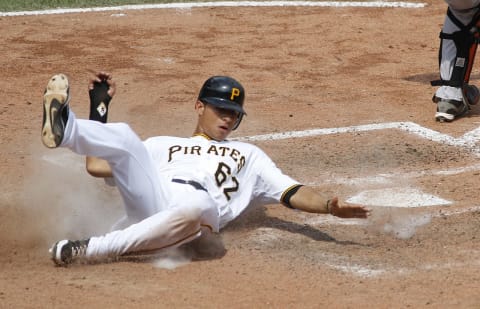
173 189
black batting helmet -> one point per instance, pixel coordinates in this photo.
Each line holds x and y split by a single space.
224 92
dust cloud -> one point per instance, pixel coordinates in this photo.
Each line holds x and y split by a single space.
396 222
60 200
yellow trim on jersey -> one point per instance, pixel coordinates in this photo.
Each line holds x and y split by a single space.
203 135
286 191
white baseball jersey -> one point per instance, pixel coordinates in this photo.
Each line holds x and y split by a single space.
233 173
173 186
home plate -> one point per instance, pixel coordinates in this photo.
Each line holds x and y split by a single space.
397 197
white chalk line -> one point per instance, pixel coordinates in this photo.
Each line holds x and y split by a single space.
367 4
467 141
386 179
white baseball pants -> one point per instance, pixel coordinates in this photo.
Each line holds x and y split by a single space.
161 215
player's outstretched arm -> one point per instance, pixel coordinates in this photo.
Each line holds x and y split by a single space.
309 200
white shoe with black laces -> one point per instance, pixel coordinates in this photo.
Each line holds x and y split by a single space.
67 252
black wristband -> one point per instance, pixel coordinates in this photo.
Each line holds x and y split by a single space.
99 100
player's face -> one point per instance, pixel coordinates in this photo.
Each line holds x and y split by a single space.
215 122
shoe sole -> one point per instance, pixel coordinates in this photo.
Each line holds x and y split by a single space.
444 117
55 99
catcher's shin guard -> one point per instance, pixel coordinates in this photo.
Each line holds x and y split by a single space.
466 41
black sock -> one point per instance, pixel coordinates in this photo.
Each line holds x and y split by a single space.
99 100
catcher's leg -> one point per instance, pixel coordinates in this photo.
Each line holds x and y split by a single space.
458 45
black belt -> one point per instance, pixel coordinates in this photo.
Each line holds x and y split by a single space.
194 184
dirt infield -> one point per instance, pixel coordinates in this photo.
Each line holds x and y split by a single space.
362 72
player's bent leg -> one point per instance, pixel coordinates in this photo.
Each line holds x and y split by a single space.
166 230
133 171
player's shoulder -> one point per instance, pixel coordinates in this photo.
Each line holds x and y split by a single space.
244 146
238 143
160 138
163 140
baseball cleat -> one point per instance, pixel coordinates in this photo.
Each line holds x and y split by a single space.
66 252
55 110
448 110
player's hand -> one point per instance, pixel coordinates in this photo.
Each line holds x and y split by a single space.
347 211
100 77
